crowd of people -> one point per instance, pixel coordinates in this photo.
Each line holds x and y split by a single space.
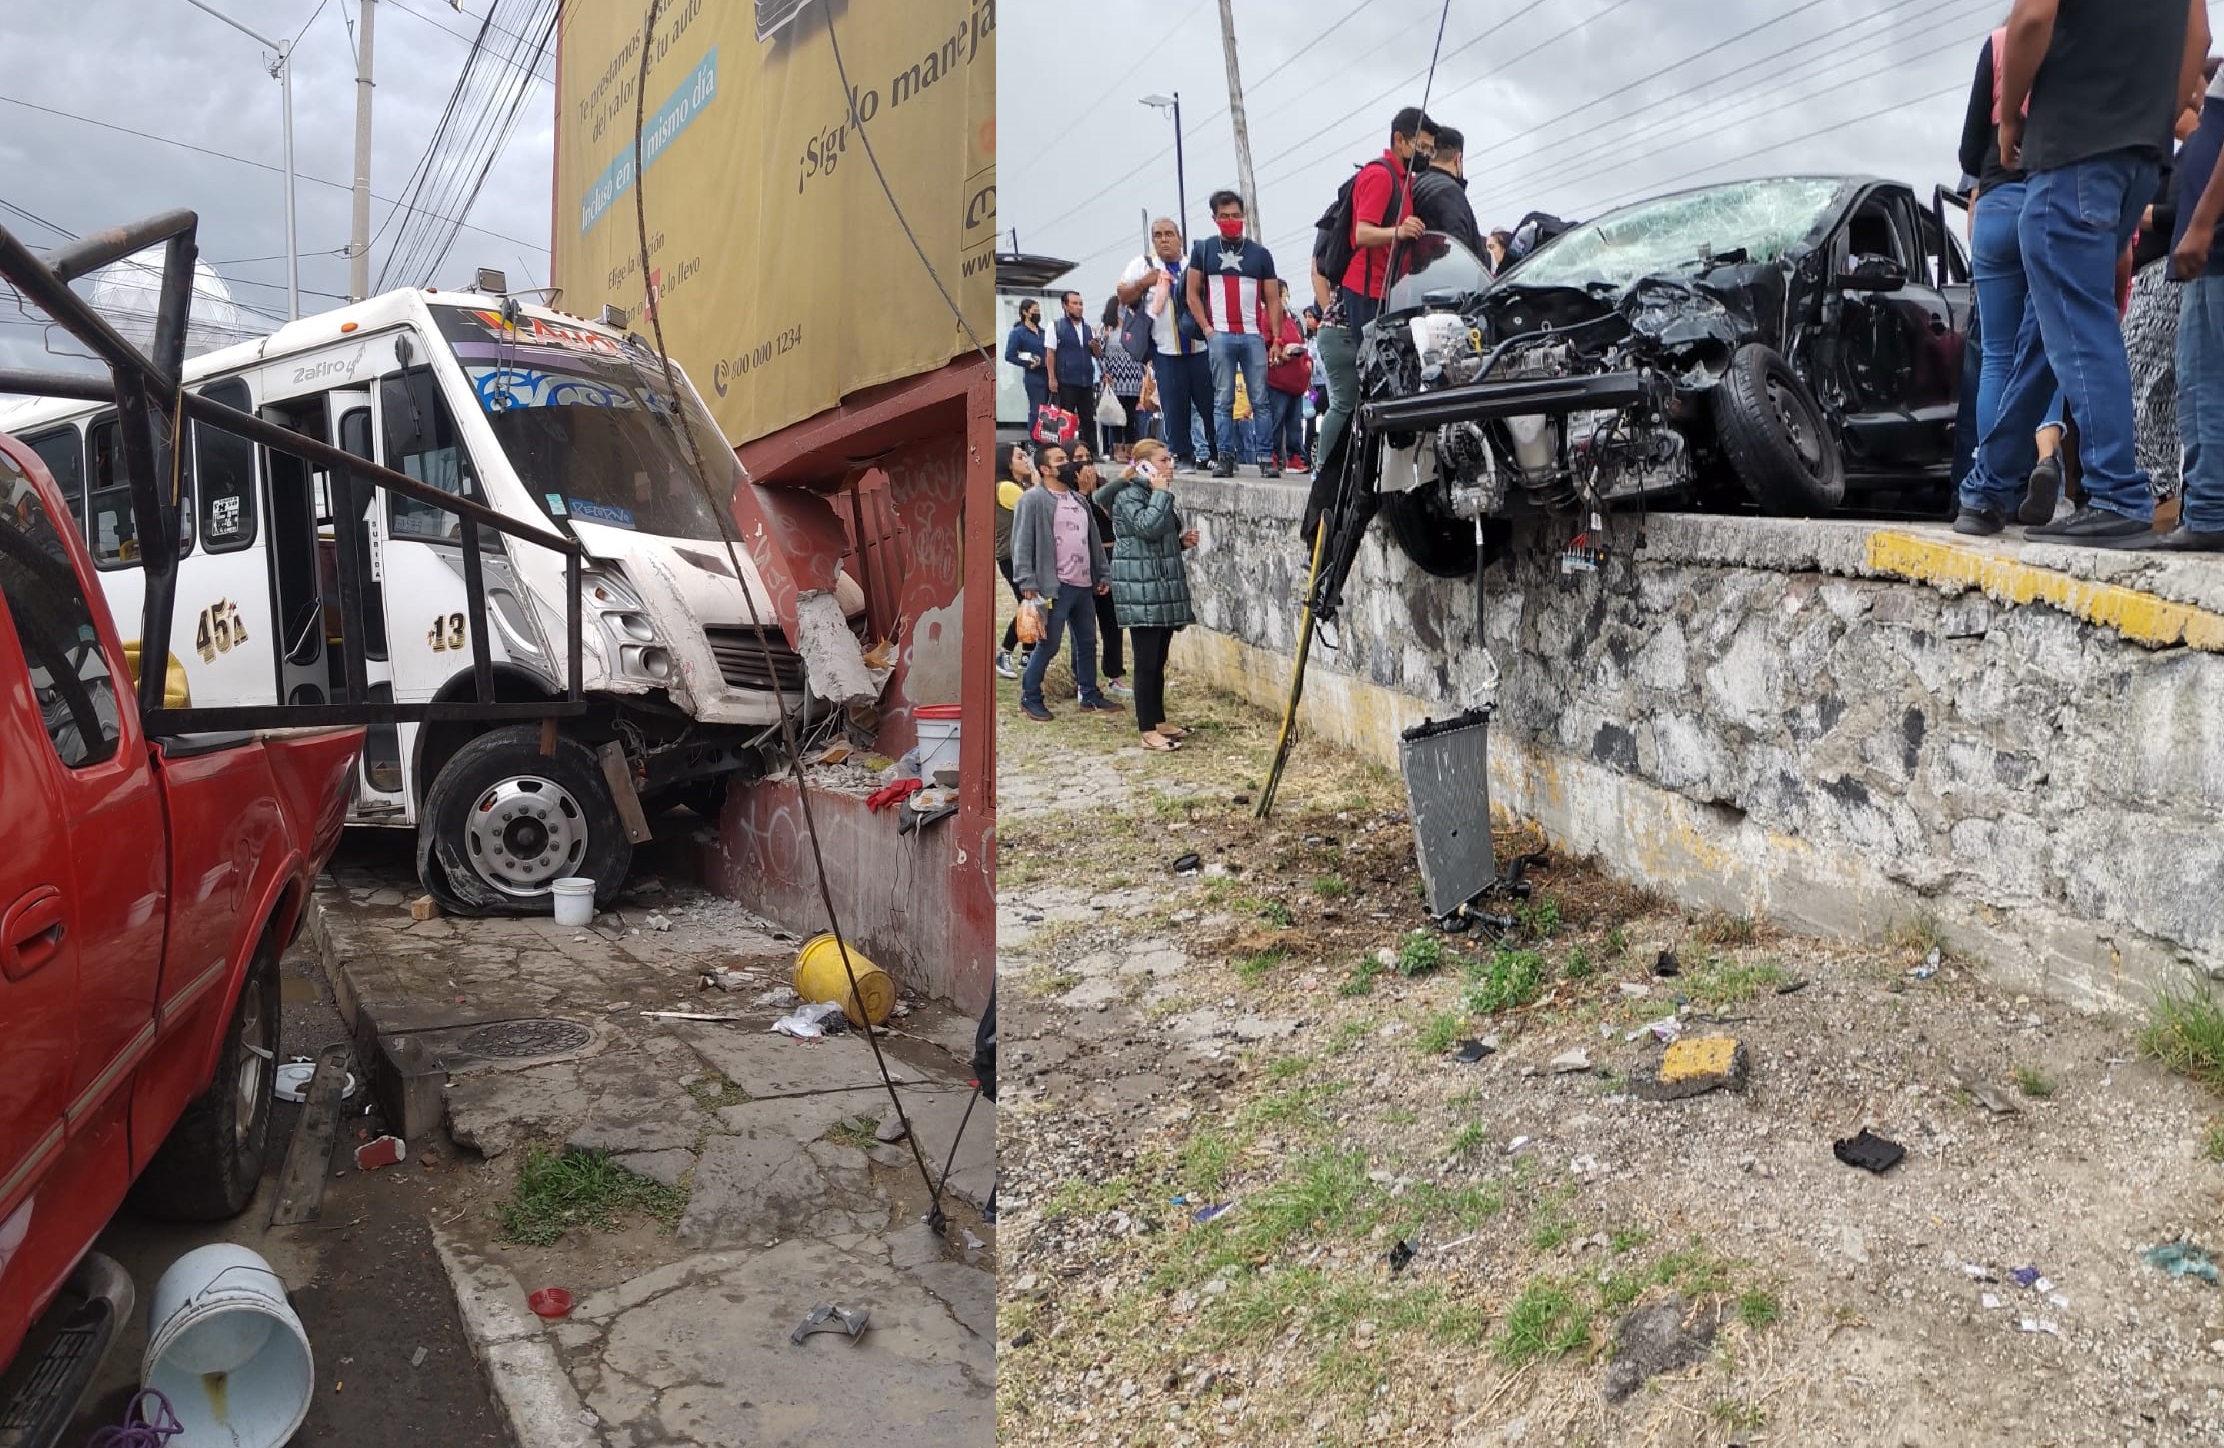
2097 194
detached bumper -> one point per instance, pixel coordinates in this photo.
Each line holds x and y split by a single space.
1547 396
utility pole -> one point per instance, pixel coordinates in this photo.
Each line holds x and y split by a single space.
1235 117
1181 185
359 237
283 71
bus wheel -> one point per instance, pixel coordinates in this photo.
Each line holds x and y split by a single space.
503 821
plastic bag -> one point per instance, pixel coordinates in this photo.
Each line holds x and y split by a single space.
1030 623
1109 411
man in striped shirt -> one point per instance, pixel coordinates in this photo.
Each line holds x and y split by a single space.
1230 292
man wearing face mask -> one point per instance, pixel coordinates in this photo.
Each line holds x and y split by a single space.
1440 192
1058 559
1232 295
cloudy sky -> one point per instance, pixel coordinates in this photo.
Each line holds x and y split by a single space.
1569 106
168 70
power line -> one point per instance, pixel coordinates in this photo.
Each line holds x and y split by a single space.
493 151
238 160
467 40
1089 112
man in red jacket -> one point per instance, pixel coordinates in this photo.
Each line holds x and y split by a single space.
1381 213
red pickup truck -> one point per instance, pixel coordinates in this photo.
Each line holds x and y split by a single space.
147 887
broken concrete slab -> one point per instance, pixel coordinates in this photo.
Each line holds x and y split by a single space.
934 1120
969 1293
764 1064
1694 1066
802 1118
668 1167
1661 1337
767 1186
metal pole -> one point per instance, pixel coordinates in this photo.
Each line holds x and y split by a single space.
283 70
1236 118
359 236
1181 184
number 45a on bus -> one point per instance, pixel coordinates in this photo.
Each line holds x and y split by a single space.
219 629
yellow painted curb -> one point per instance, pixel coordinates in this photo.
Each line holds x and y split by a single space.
2140 617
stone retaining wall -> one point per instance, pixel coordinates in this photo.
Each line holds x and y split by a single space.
1841 725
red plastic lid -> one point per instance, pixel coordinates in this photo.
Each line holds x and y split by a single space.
938 711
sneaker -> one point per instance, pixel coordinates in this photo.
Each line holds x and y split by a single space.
1037 713
1118 689
2182 539
1271 468
2090 527
2044 490
1100 705
1223 468
1979 522
1005 666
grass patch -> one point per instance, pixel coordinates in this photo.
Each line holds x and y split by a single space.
1617 942
716 1093
1332 887
1627 1239
1719 927
1362 979
1759 1309
1510 979
1692 1268
1918 935
1578 965
1420 953
1255 968
1470 1138
1081 1198
1540 917
2033 1082
1550 1225
1545 1321
1441 1031
559 1190
1207 1160
842 1133
2186 1034
2212 1141
1718 982
1274 912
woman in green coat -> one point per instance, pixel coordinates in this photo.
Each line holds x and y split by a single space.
1150 582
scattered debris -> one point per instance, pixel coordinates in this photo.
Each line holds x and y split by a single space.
1635 989
686 1016
1666 965
417 1358
1995 1099
809 1022
1189 864
1696 1065
657 922
1665 1030
2041 1324
1206 1214
1793 986
1928 968
1868 1151
890 1130
973 1243
2029 1277
1662 1337
1471 1051
381 1152
1991 1302
1570 1061
720 978
290 1082
828 1318
779 995
549 1302
424 908
1401 1255
1517 1144
1976 1273
2182 1259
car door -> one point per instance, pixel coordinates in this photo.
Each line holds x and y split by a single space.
1897 340
38 943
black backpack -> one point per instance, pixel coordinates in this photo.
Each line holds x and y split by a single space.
1534 230
1332 248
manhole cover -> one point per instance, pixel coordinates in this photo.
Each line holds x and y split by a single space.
516 1039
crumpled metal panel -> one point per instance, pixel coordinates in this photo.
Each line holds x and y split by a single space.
1446 764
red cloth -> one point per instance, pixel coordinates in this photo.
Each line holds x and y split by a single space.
893 794
1370 199
1294 376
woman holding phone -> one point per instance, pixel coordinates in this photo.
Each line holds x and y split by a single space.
1150 580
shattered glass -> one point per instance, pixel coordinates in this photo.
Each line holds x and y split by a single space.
1434 262
1760 219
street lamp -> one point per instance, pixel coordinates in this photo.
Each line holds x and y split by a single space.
1181 194
282 70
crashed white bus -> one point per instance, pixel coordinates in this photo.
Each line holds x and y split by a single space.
543 417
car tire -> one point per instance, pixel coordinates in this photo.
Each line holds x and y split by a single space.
503 821
1775 436
208 1167
1438 543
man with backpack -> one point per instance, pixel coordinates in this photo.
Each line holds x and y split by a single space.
1352 259
1231 293
1177 352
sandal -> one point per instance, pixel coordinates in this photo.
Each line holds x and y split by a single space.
1170 732
1159 742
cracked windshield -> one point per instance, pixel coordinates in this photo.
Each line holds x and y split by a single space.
1761 218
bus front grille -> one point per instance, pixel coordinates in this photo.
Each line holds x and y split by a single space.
742 659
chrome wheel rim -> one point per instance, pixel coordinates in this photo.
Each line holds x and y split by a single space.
257 1048
524 833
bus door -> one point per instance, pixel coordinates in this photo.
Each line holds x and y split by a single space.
222 630
353 503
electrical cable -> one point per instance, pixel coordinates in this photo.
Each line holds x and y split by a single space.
723 511
1088 112
502 135
435 24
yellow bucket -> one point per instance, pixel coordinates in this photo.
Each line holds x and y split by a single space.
819 977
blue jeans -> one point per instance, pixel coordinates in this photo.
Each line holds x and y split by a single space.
1183 385
1076 607
2074 223
1285 428
1246 352
2003 301
2201 402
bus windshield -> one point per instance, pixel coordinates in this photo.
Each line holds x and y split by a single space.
596 436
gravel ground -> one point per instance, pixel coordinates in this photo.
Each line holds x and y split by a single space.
1223 1112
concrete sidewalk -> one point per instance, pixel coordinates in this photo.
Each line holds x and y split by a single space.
535 1034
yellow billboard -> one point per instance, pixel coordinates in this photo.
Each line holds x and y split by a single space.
783 279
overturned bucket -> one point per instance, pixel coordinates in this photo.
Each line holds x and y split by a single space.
224 1346
819 977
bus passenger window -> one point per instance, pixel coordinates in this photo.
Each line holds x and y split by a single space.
63 453
421 442
111 531
225 462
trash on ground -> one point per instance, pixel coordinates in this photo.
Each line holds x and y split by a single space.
826 1317
290 1082
1695 1065
720 978
2041 1324
1665 1030
2029 1277
973 1242
1206 1214
1975 1273
1662 1337
807 1023
686 1016
1570 1061
1991 1302
1189 864
1868 1151
1517 1144
1993 1097
380 1152
1400 1255
1471 1051
657 922
2182 1259
417 1358
1635 989
1666 965
1928 968
549 1302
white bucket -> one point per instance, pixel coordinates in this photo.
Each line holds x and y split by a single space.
575 899
938 727
225 1348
